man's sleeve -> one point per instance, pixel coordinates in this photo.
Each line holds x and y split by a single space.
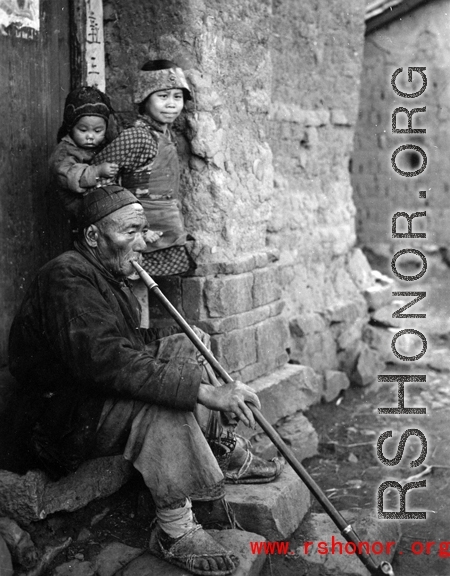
87 329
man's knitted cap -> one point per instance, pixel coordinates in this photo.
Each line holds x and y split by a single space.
85 101
158 75
103 201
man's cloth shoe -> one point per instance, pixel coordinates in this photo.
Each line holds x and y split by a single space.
195 551
255 470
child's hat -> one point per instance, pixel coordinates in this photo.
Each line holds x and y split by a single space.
85 101
158 75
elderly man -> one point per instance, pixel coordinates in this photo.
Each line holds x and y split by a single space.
94 383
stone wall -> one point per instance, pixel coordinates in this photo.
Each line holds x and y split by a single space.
265 151
420 38
316 54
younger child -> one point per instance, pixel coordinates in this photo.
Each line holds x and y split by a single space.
148 163
82 134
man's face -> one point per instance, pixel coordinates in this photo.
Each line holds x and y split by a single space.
89 132
165 106
120 239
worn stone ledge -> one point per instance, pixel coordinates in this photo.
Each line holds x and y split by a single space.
275 509
239 321
239 265
260 369
33 496
292 113
288 390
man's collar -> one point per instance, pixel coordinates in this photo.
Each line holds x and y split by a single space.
90 256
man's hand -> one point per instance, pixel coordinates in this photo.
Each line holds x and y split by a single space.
230 398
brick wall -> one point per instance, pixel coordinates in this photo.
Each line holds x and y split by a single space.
419 39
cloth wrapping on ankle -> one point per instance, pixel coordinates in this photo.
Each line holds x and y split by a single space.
176 522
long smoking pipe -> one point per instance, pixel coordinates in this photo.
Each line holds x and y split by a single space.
346 529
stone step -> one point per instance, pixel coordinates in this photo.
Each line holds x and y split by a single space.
236 541
33 496
332 555
288 390
274 510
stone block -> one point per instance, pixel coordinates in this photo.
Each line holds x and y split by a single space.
383 316
333 384
379 338
33 496
6 568
227 295
300 435
380 294
192 298
275 509
320 528
359 269
318 350
307 323
271 338
75 567
114 557
368 366
239 321
260 369
236 541
347 312
290 389
236 349
266 286
347 335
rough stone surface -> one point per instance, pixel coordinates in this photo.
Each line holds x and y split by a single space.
368 366
235 540
379 338
33 496
380 294
114 557
6 568
229 295
275 509
383 316
320 528
296 431
75 568
285 392
334 383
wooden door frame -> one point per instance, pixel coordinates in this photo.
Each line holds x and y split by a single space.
87 47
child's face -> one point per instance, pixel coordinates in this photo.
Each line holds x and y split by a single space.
165 106
89 131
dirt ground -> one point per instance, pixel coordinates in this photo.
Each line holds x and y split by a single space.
346 468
